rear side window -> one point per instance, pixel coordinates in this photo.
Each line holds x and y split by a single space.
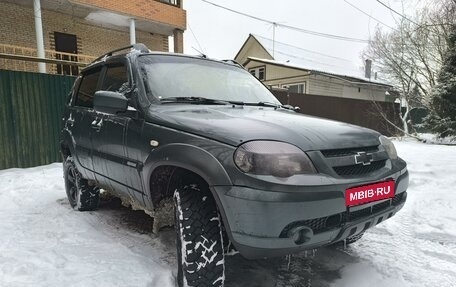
116 79
87 89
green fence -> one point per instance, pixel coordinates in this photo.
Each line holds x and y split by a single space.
31 106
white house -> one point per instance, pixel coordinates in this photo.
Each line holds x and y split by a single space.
308 72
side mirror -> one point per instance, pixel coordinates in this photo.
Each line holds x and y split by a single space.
110 102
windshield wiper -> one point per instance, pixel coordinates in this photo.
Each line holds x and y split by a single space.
195 100
270 104
206 101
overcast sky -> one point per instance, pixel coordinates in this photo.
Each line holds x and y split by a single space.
221 33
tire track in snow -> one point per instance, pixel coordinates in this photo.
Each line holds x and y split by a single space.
45 243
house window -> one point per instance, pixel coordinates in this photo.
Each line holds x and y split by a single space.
172 2
259 72
298 88
67 44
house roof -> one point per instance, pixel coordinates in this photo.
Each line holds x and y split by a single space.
299 58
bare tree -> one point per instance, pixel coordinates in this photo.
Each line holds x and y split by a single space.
411 55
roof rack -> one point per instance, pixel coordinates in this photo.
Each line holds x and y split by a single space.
232 62
140 47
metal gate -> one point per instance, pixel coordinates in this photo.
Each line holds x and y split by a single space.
31 106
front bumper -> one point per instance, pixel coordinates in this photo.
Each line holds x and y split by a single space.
264 223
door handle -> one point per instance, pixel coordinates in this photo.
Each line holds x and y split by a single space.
96 124
69 122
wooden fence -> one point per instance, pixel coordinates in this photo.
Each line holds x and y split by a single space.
364 113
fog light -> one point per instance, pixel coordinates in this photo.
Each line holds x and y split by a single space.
300 234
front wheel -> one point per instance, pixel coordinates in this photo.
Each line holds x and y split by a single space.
80 194
200 253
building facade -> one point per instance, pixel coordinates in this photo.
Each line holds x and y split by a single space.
81 30
301 71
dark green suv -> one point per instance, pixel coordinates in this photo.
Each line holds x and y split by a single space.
204 146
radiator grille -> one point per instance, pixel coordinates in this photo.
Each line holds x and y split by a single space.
348 151
359 169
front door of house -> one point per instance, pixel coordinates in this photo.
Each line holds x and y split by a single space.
66 43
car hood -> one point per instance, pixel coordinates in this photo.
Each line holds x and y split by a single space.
234 125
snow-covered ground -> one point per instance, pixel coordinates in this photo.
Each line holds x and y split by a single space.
43 242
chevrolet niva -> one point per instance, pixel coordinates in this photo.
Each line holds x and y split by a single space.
203 145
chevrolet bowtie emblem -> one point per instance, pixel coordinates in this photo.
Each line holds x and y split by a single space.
364 158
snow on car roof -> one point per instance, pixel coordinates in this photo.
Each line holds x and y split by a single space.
300 58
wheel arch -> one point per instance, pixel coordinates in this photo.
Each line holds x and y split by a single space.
182 158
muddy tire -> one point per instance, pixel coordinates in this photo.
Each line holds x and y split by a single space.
199 241
81 195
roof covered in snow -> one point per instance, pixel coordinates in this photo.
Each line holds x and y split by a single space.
301 58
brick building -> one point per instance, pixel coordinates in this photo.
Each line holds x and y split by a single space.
80 30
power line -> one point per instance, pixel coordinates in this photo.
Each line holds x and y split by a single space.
391 9
315 33
240 13
331 36
307 59
294 58
302 49
369 15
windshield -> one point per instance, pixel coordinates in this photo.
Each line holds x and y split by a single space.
167 77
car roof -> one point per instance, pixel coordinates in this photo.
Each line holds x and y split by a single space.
141 50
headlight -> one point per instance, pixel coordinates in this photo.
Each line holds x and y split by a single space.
389 147
272 158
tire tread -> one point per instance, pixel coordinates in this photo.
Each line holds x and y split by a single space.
200 232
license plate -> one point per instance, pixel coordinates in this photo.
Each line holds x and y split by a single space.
368 193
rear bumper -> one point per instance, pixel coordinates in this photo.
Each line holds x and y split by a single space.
268 223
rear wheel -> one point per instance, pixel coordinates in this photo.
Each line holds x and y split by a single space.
80 194
199 237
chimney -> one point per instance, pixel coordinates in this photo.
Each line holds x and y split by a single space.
368 69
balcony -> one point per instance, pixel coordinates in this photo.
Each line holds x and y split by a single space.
17 58
154 16
73 32
148 13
